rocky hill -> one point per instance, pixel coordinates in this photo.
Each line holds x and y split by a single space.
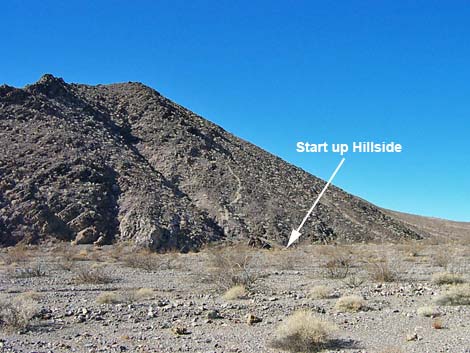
97 164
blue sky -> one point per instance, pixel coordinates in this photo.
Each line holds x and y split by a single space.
278 72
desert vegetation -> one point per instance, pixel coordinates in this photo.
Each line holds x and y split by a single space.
17 313
320 292
302 332
350 303
236 292
303 299
455 295
231 267
443 278
428 311
92 274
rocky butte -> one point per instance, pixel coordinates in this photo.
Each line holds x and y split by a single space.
106 163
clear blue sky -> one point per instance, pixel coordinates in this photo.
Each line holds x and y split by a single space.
278 72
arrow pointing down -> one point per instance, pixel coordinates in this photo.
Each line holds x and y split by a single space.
296 232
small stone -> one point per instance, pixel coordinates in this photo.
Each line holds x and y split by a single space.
214 315
151 312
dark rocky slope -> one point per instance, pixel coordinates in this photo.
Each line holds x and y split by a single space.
113 162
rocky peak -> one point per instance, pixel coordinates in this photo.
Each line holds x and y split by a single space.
49 85
48 79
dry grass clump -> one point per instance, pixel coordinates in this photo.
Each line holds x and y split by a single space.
456 295
132 295
26 270
236 292
92 275
350 303
234 266
17 313
16 255
144 293
442 278
381 271
428 311
302 332
320 292
108 298
125 296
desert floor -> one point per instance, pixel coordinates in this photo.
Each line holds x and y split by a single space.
63 298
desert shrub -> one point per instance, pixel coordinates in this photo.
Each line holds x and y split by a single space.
456 295
350 303
92 275
381 271
427 311
16 255
442 258
25 270
338 261
144 293
353 280
442 278
236 292
302 332
17 313
229 267
320 292
128 296
132 295
413 248
149 261
108 298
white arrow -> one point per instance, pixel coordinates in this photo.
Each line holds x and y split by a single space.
296 233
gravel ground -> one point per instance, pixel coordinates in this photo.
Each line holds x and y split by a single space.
185 311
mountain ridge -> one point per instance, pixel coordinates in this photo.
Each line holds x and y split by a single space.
104 163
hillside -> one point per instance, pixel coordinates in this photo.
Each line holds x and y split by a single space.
97 164
437 227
